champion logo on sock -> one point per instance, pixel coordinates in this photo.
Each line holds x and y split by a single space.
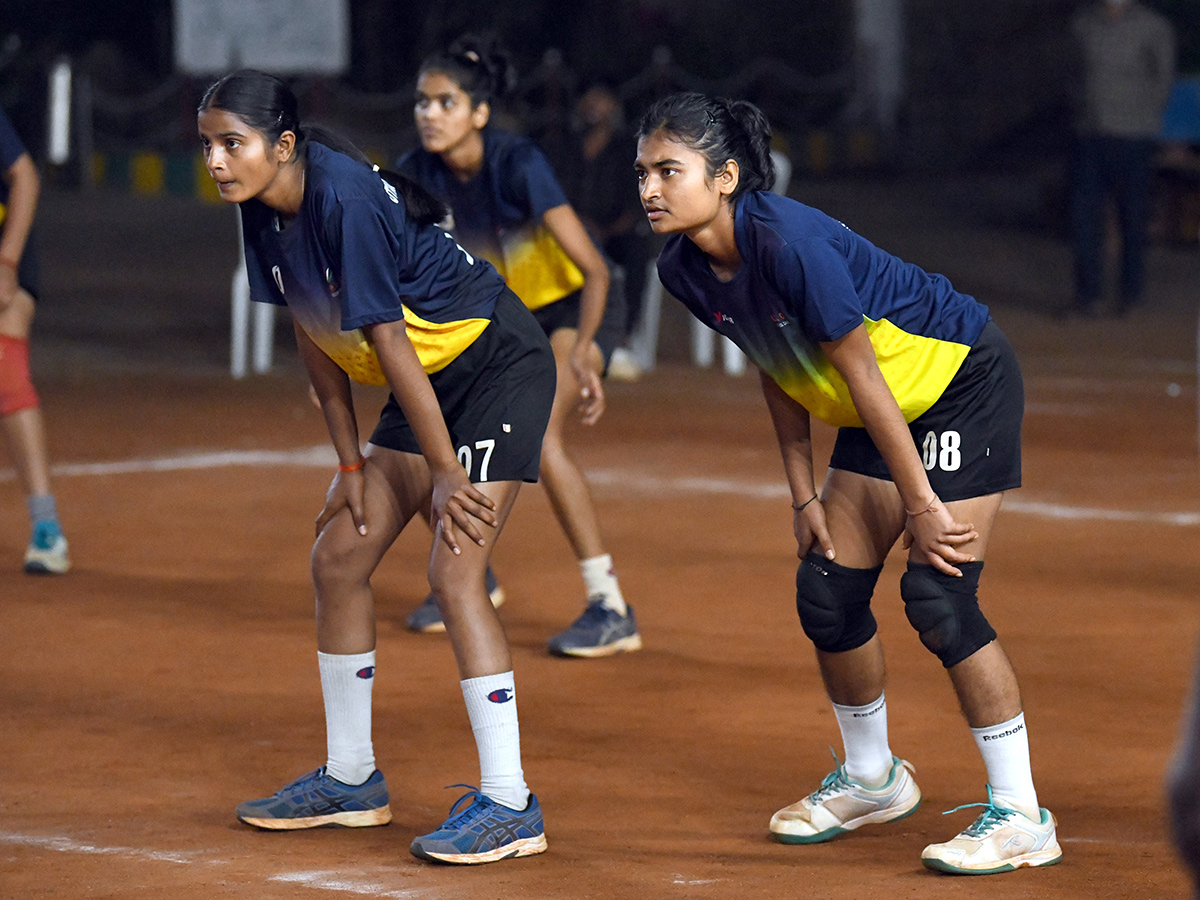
500 695
364 673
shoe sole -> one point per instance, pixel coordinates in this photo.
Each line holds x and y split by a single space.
39 563
439 627
360 819
523 847
876 818
40 567
1025 861
621 645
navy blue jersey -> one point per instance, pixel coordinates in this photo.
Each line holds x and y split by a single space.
352 257
11 149
498 213
805 279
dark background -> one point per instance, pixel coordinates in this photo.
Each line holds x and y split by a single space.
985 82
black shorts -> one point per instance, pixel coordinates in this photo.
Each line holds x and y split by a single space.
970 439
495 398
564 313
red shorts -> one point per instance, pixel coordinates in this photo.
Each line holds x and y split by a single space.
16 388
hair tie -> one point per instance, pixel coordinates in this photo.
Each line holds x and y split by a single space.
471 55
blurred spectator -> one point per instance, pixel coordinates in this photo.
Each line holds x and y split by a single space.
1126 56
601 185
20 410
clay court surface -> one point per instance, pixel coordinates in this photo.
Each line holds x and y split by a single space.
172 673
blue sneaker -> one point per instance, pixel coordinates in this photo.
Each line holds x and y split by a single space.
427 618
47 552
600 631
483 832
318 799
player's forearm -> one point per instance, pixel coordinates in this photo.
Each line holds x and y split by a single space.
413 392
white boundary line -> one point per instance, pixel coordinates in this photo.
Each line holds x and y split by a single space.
328 880
627 480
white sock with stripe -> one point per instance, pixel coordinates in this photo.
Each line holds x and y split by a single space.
492 707
346 683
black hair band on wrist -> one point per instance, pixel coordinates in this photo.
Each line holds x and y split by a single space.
800 508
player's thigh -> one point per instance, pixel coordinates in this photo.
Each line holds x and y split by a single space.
864 515
980 513
17 317
397 485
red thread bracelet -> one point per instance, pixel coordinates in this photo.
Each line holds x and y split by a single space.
354 468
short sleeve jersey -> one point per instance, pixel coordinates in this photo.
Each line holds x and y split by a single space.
498 213
806 279
11 149
352 257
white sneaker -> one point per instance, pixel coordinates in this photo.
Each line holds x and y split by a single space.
841 804
47 552
623 365
1000 840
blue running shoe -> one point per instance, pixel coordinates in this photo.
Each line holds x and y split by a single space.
427 618
600 631
318 799
47 553
483 832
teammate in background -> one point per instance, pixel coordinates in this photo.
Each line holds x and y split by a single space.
928 400
508 208
20 409
379 294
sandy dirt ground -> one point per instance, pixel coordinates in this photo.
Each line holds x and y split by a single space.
172 673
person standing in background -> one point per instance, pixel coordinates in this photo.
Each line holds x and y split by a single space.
508 207
1126 66
595 181
20 408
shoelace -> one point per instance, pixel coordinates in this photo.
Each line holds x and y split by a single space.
835 781
991 818
475 809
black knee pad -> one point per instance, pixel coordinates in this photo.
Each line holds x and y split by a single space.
945 611
834 603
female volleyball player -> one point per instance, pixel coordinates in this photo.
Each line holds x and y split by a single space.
928 400
380 294
20 408
508 208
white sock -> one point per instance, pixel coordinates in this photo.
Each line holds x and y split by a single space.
1005 752
865 738
600 581
492 708
346 682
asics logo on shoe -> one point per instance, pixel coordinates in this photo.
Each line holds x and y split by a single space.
500 695
364 673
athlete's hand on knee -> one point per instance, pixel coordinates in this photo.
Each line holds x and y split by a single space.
808 524
932 536
459 506
591 391
346 492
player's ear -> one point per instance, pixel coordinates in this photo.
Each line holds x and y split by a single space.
727 178
481 114
285 147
